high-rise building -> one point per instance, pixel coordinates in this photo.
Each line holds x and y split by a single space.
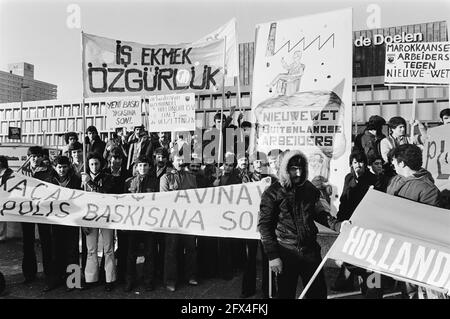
22 75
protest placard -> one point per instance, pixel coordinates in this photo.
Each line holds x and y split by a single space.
225 211
112 67
421 63
436 155
398 238
123 112
175 112
302 84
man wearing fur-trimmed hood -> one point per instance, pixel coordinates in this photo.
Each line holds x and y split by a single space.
288 233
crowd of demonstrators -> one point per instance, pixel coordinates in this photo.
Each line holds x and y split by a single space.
139 162
391 164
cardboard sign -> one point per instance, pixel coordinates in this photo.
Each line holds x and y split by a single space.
123 112
421 63
168 113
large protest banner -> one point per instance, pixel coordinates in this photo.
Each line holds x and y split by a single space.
168 113
123 112
112 67
399 238
436 155
421 63
228 211
302 85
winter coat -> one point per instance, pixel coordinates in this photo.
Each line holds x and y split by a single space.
177 180
355 188
73 181
102 183
287 212
419 188
142 184
390 142
120 185
96 146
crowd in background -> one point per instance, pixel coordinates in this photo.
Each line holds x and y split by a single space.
141 162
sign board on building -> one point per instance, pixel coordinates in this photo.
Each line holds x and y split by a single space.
424 63
14 133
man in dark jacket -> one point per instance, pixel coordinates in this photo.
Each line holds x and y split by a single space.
98 181
414 183
369 141
142 182
179 247
93 142
65 238
259 161
36 169
356 185
139 144
288 232
120 178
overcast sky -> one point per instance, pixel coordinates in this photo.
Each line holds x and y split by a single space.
37 31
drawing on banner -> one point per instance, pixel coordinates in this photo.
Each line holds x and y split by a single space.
423 63
302 92
114 67
168 113
123 112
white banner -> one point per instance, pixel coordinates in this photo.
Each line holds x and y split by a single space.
112 67
169 113
436 155
228 211
422 63
302 86
228 31
123 112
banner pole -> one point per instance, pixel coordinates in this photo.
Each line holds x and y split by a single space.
270 283
220 153
413 112
84 135
316 273
355 110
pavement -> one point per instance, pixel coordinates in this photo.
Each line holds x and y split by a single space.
11 261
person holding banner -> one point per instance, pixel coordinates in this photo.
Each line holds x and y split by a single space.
142 182
397 136
259 161
65 238
288 232
98 182
415 183
5 173
37 169
120 175
175 244
230 250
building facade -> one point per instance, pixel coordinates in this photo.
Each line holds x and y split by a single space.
44 122
21 75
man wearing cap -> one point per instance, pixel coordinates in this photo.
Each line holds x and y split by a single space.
35 168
